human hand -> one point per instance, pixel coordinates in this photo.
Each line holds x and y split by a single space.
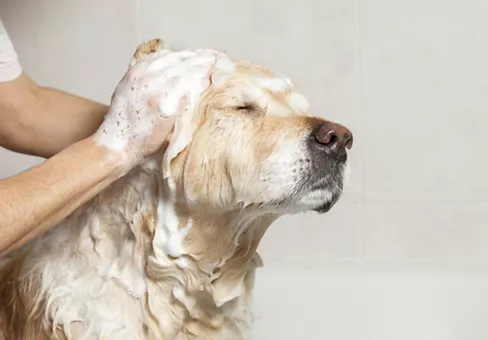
149 99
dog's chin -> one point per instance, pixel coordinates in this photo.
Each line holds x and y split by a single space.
321 198
324 207
317 200
322 189
328 199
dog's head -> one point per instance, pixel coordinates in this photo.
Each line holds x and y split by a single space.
255 146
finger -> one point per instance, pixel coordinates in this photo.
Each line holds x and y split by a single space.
164 127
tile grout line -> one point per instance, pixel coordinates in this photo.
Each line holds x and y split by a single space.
361 130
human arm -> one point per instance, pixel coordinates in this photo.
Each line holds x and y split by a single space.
35 200
42 121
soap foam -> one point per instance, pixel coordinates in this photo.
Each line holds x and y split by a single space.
222 70
162 85
277 84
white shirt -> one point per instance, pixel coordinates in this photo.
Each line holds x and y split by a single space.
9 62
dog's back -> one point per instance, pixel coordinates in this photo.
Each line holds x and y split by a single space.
13 309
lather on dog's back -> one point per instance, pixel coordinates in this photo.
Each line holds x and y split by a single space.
169 250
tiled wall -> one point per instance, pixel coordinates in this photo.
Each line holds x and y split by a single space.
409 77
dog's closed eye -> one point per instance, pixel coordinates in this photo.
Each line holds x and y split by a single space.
249 108
246 107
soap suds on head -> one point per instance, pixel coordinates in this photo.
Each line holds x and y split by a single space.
277 84
224 67
161 85
298 102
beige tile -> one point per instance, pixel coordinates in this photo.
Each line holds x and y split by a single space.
425 231
79 46
314 44
424 86
313 236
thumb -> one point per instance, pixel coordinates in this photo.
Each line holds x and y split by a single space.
164 127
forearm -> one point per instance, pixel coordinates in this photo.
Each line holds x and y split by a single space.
68 119
43 121
36 200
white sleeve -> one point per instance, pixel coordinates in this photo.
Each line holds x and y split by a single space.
9 63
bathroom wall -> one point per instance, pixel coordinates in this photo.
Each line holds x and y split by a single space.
408 77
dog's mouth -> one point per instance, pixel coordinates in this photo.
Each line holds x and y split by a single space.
326 198
326 185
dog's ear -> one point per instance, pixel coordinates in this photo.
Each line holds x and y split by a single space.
145 49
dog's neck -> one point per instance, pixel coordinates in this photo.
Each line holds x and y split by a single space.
210 280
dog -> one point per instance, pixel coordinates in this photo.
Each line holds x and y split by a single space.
168 251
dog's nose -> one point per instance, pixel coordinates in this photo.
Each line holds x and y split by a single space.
334 137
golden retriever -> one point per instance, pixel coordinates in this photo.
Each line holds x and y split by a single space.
173 257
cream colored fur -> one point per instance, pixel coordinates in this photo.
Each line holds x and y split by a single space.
109 271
